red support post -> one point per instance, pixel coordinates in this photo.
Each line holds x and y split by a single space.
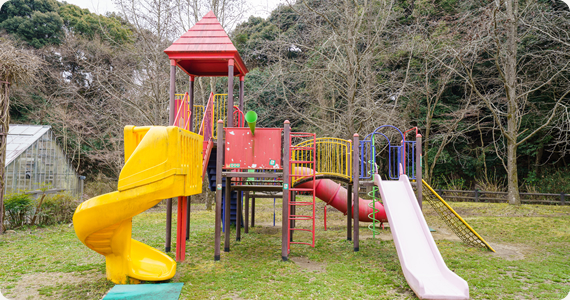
181 229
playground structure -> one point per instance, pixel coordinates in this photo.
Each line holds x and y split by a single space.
166 162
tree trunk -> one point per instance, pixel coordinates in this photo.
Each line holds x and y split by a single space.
4 127
513 182
511 95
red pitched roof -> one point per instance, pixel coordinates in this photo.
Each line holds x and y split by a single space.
205 49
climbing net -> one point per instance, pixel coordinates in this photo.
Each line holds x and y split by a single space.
465 232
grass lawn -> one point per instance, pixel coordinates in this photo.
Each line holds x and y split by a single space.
532 259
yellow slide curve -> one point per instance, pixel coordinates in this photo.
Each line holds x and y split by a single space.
160 163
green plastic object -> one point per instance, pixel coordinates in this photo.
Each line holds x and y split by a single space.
164 291
251 119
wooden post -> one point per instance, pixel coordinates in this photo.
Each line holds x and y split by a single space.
286 182
227 213
419 185
241 82
292 212
355 175
349 213
171 116
246 210
191 103
219 162
253 210
191 128
230 117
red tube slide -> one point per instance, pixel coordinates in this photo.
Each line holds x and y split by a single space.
335 195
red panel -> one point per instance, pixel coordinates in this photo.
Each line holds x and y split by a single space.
244 151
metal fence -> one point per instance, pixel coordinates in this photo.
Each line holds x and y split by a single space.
501 197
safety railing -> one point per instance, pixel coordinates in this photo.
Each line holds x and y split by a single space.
401 154
198 110
181 156
239 120
333 156
207 125
183 113
220 101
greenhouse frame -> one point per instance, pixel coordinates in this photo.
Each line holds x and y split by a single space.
34 161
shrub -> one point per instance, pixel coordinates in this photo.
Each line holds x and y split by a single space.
18 207
57 209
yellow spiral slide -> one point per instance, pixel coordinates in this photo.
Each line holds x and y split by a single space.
160 163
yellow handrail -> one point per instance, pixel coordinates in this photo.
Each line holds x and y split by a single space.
334 156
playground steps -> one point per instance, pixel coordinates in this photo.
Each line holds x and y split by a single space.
465 232
303 166
211 171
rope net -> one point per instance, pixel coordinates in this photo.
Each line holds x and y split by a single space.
465 232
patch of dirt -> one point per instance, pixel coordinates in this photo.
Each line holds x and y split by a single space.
306 264
265 229
443 233
27 287
508 252
384 235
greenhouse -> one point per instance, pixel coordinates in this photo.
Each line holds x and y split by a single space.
34 162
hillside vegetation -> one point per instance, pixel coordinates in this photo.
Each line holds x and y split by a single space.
485 82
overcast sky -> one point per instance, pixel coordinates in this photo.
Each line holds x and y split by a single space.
261 8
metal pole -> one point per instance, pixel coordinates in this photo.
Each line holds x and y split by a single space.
286 182
238 216
349 213
230 117
246 210
355 175
227 214
171 116
219 162
419 185
190 127
241 82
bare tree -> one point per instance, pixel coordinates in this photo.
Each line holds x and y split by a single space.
17 66
328 70
497 36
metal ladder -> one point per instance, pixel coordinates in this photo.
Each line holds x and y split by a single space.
305 157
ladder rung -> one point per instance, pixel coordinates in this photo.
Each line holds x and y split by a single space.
301 229
302 216
301 219
301 190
